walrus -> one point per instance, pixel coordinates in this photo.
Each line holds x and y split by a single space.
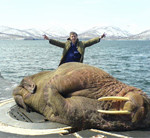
84 97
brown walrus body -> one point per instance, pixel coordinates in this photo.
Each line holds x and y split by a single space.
80 95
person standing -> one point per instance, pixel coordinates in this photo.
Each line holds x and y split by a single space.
73 49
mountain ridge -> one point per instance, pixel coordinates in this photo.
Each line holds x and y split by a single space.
112 33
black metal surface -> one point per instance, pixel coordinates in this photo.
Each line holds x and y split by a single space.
20 114
14 113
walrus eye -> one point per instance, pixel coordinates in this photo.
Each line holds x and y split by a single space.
116 98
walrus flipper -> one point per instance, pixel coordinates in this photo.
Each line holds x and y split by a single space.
18 94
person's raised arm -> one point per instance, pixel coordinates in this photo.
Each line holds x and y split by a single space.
103 35
54 42
46 37
93 41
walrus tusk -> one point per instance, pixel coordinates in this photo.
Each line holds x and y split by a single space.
114 112
114 98
117 98
64 128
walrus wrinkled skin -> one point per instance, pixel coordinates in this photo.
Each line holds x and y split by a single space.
84 97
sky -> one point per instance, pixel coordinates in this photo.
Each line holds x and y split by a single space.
131 15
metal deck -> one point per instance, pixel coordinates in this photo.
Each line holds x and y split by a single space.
15 122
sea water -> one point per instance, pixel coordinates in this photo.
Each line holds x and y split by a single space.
128 61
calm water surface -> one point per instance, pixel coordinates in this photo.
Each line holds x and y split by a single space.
128 61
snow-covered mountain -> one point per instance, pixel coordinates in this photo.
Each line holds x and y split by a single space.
111 32
142 36
13 33
61 33
57 31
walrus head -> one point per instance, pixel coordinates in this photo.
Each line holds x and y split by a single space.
28 84
133 104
